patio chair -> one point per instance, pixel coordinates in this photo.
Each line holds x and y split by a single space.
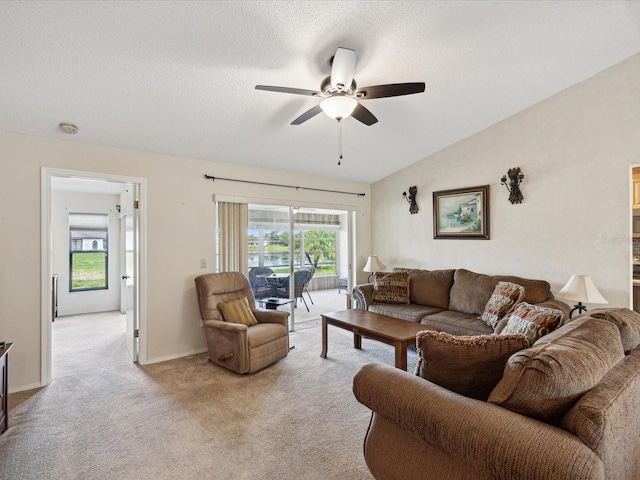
312 271
299 279
260 287
235 341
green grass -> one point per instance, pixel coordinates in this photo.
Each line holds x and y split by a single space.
88 271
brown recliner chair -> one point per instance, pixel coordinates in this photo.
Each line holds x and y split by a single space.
233 345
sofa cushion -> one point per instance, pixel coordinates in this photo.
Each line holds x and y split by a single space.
532 321
627 321
503 300
471 291
411 312
430 287
545 380
457 323
607 404
391 287
237 311
470 366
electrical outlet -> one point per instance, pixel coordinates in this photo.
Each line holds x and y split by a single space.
203 263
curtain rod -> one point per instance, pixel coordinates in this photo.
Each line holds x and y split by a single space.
213 179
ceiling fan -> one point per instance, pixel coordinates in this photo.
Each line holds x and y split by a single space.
340 95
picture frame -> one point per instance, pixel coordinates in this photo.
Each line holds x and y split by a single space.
461 213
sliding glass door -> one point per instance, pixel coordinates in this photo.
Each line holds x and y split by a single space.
285 241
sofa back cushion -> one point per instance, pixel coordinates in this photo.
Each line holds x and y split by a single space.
471 291
606 418
468 365
430 287
627 321
545 380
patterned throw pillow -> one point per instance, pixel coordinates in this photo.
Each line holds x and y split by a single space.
391 287
470 366
504 299
532 321
237 311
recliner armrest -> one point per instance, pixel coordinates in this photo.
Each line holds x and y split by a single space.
271 316
226 326
490 438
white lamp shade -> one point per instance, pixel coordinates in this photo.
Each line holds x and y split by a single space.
580 288
373 265
338 106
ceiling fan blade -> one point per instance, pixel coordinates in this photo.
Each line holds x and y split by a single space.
342 68
312 112
363 115
295 91
390 90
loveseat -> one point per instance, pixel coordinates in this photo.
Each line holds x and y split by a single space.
452 301
565 408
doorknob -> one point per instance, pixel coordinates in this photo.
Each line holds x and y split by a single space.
124 277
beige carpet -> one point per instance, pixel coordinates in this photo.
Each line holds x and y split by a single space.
189 419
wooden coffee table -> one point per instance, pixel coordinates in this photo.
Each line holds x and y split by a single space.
363 323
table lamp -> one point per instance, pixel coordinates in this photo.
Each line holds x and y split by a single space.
373 265
580 288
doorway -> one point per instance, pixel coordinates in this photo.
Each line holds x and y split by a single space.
95 266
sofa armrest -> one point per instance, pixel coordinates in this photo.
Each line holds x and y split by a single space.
363 295
271 316
492 439
558 305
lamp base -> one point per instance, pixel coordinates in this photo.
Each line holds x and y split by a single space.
580 307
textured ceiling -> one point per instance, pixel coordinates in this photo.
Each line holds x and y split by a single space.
178 77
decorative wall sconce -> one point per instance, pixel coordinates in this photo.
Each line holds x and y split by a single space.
515 179
411 199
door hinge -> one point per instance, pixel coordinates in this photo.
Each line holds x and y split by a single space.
136 204
136 333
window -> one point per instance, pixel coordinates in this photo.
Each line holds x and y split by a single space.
316 239
88 251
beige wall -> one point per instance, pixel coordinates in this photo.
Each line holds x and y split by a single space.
180 231
575 149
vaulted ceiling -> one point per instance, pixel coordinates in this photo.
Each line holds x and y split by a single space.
178 77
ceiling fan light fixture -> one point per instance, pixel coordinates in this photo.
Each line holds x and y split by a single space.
338 106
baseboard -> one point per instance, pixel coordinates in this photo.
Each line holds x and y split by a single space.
23 388
173 357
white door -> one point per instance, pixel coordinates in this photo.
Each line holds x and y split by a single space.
130 275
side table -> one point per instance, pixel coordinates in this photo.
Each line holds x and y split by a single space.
4 386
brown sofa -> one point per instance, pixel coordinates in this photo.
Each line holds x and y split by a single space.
452 301
566 408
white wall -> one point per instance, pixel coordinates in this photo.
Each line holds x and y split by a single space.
73 303
180 231
575 149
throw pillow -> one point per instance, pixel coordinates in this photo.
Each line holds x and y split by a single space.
545 380
470 366
391 287
504 299
532 321
237 311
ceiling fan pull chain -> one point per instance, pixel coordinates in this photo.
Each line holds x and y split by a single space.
339 141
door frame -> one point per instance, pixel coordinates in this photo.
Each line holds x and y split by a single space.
46 174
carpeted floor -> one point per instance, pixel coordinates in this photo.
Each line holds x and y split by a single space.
189 419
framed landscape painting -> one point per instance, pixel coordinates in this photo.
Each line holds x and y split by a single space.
461 213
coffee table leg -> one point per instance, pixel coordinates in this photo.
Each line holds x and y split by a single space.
323 354
357 340
401 355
